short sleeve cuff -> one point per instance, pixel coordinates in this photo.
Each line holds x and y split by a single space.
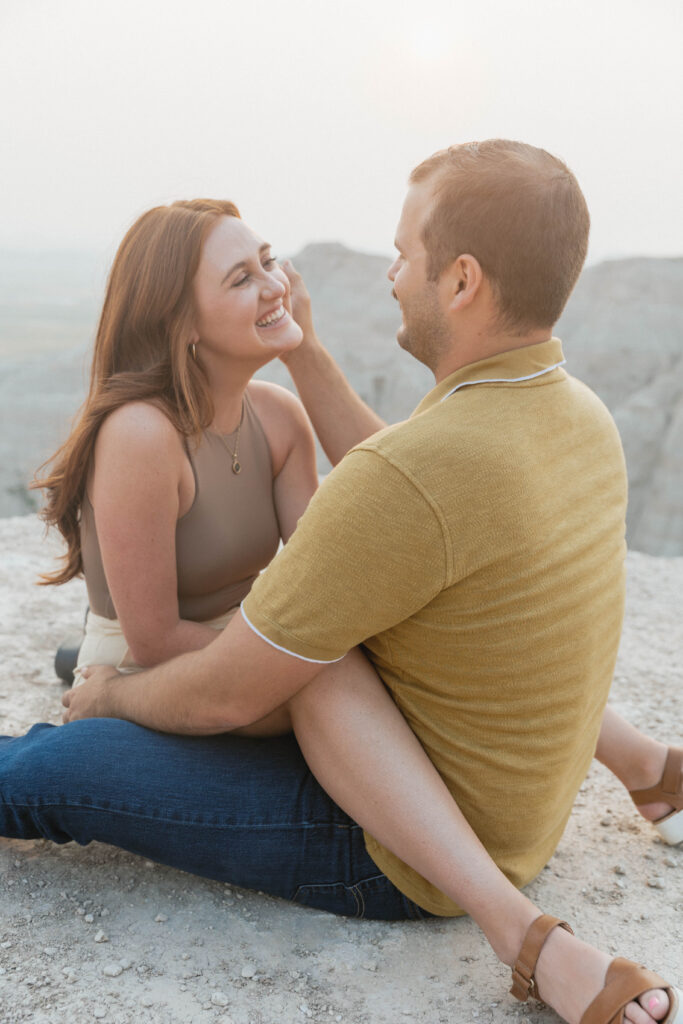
279 638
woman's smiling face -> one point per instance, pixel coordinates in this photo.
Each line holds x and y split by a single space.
241 297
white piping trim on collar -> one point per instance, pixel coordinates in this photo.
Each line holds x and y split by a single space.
503 380
316 661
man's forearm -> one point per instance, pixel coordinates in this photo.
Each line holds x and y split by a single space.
185 695
340 418
235 681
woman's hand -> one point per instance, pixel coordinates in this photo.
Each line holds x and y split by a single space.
92 699
301 305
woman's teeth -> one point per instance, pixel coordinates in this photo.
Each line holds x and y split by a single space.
272 317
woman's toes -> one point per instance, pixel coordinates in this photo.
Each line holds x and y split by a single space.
652 1005
656 1002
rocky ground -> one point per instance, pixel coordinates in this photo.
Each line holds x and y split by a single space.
91 934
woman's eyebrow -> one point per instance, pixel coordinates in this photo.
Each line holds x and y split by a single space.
242 263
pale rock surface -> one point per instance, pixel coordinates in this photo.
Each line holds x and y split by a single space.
181 949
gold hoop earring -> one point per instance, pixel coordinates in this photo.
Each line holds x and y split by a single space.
193 349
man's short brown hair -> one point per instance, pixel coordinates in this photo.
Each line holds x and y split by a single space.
520 212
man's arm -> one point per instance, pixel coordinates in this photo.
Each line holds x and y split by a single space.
238 679
341 418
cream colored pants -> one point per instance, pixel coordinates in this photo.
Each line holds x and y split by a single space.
105 644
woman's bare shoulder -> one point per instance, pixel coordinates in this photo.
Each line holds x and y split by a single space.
273 400
283 419
138 440
141 425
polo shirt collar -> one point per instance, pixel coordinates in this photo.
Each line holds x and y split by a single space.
512 367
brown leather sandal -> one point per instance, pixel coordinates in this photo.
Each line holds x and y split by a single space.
523 980
669 790
624 981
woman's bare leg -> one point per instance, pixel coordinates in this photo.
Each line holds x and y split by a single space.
362 751
635 759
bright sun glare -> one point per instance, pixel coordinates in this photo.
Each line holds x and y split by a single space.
428 43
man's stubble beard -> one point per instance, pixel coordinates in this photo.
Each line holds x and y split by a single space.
424 331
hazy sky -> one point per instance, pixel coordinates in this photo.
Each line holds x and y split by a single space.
310 113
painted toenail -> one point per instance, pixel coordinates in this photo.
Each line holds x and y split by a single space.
653 1003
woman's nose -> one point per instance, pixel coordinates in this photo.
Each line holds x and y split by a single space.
274 286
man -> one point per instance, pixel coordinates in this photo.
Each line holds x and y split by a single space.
477 552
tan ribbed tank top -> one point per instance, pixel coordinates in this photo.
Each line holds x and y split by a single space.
223 541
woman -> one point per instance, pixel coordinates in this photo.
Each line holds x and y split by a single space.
194 306
181 466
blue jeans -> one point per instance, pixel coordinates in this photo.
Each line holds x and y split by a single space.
246 811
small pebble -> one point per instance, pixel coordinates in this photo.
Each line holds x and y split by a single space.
670 862
656 882
49 951
99 1012
219 999
619 869
126 964
5 945
101 937
88 918
104 912
248 972
370 965
160 918
605 822
112 970
186 956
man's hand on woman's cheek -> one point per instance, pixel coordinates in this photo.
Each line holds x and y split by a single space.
92 699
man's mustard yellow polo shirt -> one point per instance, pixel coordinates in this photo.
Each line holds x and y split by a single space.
477 551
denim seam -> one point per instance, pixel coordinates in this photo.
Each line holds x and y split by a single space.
359 900
289 825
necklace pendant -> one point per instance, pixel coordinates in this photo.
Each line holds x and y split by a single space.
236 467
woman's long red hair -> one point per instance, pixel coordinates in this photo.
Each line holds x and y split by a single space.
141 353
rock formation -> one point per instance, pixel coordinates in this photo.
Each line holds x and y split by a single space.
622 331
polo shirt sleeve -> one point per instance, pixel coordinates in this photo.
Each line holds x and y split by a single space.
368 552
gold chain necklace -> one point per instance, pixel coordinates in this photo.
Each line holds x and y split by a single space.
236 465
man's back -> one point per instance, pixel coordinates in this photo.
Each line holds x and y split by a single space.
478 551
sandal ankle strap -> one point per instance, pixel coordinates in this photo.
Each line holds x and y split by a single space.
669 789
523 980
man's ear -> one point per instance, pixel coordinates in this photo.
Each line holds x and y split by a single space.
462 280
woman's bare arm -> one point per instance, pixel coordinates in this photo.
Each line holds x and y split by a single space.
138 489
290 437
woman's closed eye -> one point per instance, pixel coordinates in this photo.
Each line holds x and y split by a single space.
268 263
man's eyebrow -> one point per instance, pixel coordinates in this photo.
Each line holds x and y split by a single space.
242 263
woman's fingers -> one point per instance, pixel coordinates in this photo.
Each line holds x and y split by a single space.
290 270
